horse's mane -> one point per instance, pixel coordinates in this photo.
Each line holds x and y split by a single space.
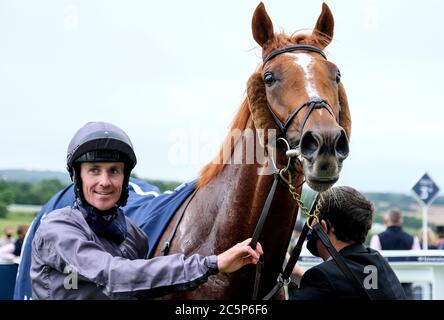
240 121
213 168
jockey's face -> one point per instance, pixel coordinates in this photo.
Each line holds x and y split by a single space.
102 183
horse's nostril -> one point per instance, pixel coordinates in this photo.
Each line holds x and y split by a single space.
309 144
341 146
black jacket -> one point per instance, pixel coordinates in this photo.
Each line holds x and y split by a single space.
394 238
326 280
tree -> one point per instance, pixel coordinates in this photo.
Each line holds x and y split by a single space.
7 196
45 189
3 210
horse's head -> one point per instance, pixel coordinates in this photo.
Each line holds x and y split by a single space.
304 95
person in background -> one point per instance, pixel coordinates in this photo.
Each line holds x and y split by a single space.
91 250
21 233
346 217
7 237
439 243
394 237
431 238
12 250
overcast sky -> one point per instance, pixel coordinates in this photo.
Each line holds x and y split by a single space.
173 73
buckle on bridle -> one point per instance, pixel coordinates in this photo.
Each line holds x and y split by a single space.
283 281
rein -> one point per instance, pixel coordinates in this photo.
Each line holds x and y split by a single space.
281 175
340 262
284 277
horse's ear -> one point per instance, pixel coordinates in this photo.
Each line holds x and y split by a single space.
344 114
323 31
261 25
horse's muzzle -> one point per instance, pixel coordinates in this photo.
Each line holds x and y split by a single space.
322 154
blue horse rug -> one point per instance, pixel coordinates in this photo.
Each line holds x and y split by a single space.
146 207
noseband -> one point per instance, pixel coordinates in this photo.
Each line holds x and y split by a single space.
313 103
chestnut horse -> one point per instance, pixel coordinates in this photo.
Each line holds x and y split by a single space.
297 94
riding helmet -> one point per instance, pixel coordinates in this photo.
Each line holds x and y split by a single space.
100 142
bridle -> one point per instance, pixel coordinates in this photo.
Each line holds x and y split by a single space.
296 47
292 151
312 104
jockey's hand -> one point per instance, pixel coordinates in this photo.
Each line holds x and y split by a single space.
238 256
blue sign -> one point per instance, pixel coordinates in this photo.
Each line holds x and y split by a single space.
426 189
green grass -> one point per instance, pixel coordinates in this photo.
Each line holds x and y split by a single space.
14 220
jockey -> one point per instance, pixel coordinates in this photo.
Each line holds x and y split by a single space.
91 250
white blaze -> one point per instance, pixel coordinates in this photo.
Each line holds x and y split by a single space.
305 61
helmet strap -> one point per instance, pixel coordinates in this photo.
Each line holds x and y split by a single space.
78 188
125 192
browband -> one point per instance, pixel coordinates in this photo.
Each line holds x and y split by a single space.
306 47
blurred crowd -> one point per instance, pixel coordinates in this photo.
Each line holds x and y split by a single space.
10 246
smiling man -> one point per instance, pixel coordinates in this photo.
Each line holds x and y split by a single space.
102 183
90 250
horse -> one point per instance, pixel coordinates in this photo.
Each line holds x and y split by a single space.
296 94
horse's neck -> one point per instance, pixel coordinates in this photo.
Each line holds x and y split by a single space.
225 212
232 203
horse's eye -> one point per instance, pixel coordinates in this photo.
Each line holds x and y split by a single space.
269 78
338 76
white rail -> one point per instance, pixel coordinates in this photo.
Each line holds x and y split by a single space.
424 269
